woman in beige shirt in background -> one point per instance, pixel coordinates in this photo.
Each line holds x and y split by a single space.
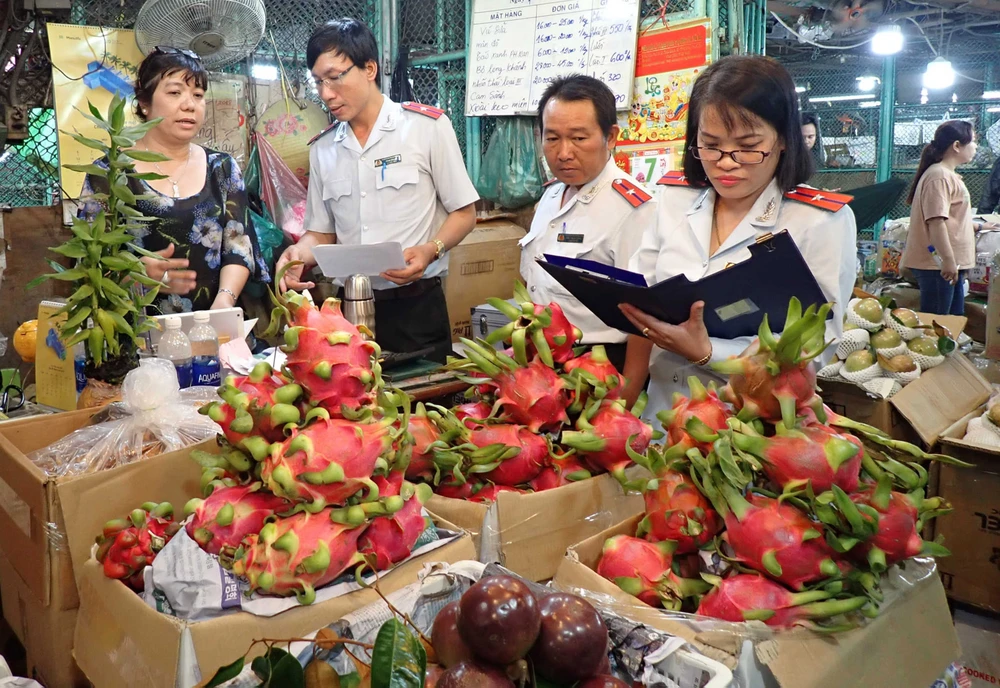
941 217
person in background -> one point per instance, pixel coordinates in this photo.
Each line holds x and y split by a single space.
592 209
383 172
202 230
941 216
813 139
744 164
991 194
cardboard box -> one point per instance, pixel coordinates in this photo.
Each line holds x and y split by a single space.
922 410
972 531
487 263
529 533
121 642
28 502
45 632
979 637
909 645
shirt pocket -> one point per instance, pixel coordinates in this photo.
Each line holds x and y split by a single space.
397 187
335 189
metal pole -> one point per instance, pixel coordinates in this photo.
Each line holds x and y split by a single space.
886 130
473 125
385 16
439 58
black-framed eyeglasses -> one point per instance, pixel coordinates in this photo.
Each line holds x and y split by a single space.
333 81
743 157
170 50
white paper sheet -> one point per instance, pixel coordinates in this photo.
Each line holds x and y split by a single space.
338 261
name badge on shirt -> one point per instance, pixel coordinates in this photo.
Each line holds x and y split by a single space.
570 238
391 160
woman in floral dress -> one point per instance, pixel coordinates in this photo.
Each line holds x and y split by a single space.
203 230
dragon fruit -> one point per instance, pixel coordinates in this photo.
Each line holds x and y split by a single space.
593 373
644 570
535 330
327 355
703 404
229 515
390 539
260 404
814 454
127 546
421 434
677 512
776 538
774 379
328 460
561 470
607 432
488 493
228 468
472 411
900 519
296 555
503 453
532 395
747 597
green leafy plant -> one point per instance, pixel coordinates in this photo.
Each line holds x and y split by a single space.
107 271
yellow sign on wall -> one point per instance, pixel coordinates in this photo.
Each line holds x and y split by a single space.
89 63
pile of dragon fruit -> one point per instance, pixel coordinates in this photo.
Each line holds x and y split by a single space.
311 483
799 511
542 414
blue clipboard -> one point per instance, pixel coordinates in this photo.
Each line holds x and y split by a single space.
736 299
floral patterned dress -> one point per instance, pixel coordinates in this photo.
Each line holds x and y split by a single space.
211 229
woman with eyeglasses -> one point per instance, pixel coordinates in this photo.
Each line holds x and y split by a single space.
203 230
743 164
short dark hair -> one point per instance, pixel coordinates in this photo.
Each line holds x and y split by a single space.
162 63
577 87
346 36
743 87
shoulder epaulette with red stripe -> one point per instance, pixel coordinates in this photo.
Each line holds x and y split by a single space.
826 200
631 192
549 183
323 133
673 178
426 110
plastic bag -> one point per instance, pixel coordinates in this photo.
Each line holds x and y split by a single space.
159 420
512 174
893 242
283 193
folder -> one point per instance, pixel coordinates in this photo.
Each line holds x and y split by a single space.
736 298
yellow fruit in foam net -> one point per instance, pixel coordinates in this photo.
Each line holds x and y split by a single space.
24 340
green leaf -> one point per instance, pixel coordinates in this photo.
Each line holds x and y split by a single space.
116 113
68 275
88 142
144 279
116 263
147 176
123 141
70 250
98 122
143 252
94 111
124 209
121 324
124 193
95 170
77 338
139 130
117 239
95 344
78 319
278 669
110 287
33 284
82 293
146 156
398 659
227 673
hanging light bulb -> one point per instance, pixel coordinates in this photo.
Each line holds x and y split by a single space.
868 83
888 40
939 74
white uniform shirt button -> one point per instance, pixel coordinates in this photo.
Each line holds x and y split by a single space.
365 228
364 194
362 158
704 265
532 289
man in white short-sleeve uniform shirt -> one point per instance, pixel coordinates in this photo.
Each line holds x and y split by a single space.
383 172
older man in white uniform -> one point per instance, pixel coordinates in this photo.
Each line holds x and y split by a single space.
592 209
384 172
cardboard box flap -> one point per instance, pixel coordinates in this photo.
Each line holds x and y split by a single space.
940 396
493 230
90 501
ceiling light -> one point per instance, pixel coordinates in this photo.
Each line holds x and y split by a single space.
800 89
834 99
867 83
870 103
993 109
991 95
954 97
939 74
264 72
888 40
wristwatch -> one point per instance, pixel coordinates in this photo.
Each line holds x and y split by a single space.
441 250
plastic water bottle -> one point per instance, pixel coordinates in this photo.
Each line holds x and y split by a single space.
80 366
206 371
176 348
935 255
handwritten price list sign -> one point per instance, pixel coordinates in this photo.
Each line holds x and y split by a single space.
519 46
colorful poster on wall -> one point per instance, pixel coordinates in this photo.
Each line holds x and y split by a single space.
89 63
668 60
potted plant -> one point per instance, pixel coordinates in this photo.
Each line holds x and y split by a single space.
107 309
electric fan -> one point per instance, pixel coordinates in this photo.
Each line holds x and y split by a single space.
219 31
